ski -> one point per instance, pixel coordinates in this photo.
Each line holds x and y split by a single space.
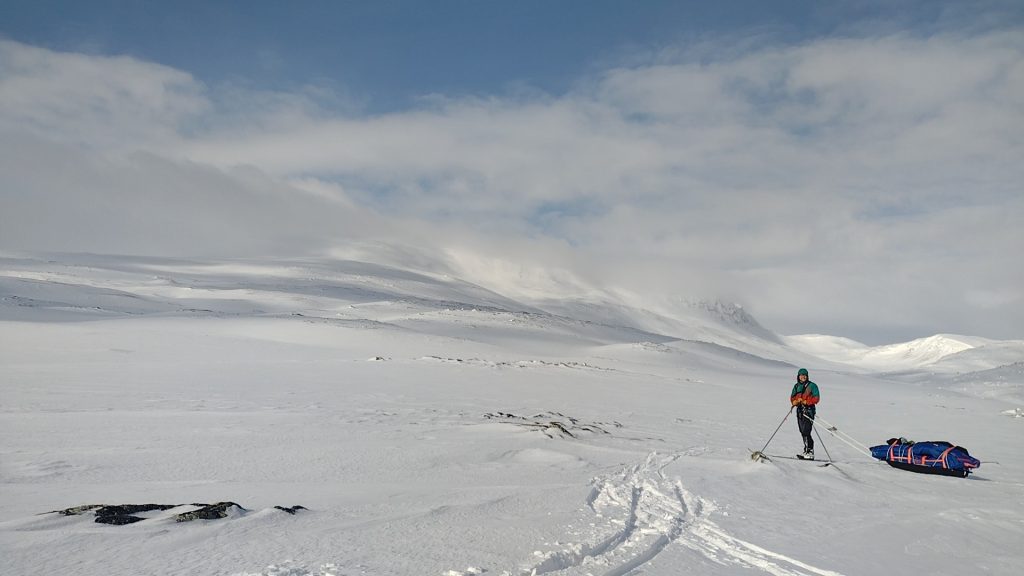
758 456
820 465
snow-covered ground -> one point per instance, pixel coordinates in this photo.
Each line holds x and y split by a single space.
434 427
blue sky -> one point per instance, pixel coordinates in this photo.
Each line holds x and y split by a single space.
849 168
386 54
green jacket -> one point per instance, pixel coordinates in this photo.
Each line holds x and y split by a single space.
807 392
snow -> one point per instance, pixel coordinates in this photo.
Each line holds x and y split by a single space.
942 352
432 426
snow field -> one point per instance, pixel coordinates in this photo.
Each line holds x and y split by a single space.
372 412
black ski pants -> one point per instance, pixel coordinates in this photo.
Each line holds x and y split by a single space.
805 419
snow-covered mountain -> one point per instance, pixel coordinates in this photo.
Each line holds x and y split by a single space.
84 287
939 354
93 287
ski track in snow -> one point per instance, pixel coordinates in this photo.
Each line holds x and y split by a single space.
643 512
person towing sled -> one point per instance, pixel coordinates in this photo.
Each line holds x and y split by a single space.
934 457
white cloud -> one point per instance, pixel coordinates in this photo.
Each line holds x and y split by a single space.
95 101
849 182
59 198
993 298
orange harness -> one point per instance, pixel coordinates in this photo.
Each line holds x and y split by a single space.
908 457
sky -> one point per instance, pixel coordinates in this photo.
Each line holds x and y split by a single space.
846 168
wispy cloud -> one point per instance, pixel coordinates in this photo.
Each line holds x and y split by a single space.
846 182
94 101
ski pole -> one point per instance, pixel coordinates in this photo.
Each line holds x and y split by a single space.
760 453
820 441
835 433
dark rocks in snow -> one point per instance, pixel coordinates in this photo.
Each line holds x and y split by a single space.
518 364
117 515
121 514
208 512
553 423
77 510
126 513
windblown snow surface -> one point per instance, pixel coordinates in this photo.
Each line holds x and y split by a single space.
434 427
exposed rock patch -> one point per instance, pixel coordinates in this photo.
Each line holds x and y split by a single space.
121 514
554 424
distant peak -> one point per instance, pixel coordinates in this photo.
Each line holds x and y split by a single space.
730 312
937 345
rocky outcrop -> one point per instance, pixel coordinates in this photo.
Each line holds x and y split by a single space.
208 512
553 424
121 514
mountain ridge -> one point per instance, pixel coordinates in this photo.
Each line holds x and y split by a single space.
91 287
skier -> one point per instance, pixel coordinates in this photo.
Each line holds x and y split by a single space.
805 396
